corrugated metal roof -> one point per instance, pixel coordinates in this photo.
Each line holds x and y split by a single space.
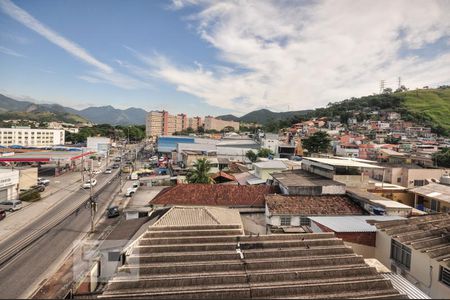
434 190
184 216
352 223
402 285
271 164
342 163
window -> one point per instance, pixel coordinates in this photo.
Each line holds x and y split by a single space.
399 179
401 254
305 221
419 182
444 276
114 256
285 220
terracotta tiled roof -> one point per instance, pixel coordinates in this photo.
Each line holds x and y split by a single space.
224 175
312 205
213 195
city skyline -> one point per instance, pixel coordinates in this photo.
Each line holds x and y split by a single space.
202 57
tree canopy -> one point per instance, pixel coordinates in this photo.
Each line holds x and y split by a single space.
319 142
442 158
200 173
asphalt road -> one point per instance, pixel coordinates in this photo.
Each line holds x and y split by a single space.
24 272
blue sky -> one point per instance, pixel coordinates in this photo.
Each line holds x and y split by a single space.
208 57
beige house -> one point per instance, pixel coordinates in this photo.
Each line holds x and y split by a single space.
408 176
264 169
419 249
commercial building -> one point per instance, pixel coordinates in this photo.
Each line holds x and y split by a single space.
101 145
194 253
9 184
212 123
26 136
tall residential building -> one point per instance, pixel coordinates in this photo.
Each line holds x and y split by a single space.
212 123
195 123
162 123
26 136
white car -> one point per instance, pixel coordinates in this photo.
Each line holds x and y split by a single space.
108 171
89 183
96 172
130 191
43 181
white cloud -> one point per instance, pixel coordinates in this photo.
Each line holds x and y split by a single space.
11 52
306 54
103 73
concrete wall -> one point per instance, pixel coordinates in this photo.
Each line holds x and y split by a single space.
264 174
364 250
27 178
421 174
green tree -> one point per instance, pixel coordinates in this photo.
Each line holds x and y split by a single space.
251 155
200 173
264 152
319 142
442 158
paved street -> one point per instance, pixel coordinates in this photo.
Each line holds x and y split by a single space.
21 275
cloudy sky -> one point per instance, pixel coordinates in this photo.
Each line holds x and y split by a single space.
208 57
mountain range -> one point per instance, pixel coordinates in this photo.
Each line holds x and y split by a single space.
11 108
264 116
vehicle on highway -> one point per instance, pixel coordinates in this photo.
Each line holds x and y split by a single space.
113 212
2 214
96 172
43 181
108 171
126 169
89 183
11 205
115 166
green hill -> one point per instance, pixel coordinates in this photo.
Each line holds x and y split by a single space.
429 107
434 103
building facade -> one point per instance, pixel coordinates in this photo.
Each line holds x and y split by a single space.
9 184
25 136
162 123
212 123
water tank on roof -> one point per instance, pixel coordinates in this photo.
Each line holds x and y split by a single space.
445 179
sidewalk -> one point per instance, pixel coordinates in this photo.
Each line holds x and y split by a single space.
60 187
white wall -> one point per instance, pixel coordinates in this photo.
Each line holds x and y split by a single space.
9 180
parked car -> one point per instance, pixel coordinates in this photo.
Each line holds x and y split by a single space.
2 214
108 171
11 205
43 181
89 183
38 187
113 212
118 159
96 172
130 191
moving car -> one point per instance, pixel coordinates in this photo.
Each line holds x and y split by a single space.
43 181
11 205
89 183
38 187
113 212
115 166
108 171
2 214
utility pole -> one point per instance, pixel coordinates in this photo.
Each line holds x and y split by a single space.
82 165
92 202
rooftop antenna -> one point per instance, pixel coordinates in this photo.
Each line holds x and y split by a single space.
399 82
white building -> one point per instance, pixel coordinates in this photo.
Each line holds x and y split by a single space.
270 143
25 136
9 184
99 144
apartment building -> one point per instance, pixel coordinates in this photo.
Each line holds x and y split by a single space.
195 123
212 123
162 123
26 136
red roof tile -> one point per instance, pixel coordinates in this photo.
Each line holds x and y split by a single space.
224 175
312 205
214 195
